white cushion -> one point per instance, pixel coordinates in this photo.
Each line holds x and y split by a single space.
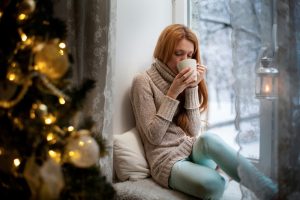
129 156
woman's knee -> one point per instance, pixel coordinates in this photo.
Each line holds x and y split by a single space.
211 188
209 138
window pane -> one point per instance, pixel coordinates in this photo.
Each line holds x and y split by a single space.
229 112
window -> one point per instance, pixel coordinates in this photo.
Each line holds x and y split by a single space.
232 42
211 20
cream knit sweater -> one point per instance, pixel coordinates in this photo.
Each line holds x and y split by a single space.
164 141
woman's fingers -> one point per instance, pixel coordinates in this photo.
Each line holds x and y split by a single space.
201 68
185 75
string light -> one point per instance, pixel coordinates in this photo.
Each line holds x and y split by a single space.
56 156
61 100
49 119
51 137
18 123
23 37
22 16
17 162
74 154
61 52
62 45
89 141
70 128
11 74
38 110
81 143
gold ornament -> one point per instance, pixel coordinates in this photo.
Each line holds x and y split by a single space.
82 150
51 61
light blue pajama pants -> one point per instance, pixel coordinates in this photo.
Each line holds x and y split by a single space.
197 176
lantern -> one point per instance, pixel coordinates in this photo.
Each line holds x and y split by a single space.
266 80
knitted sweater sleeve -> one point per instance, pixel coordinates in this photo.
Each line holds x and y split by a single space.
192 106
154 120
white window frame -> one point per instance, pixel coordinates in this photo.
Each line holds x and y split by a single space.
268 115
180 12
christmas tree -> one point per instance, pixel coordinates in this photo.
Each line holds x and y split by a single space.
46 151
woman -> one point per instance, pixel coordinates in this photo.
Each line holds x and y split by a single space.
167 106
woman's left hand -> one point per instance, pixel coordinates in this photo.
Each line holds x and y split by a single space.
201 72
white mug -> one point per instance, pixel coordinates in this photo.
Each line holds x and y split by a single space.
192 63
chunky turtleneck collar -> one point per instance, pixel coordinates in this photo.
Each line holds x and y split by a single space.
161 75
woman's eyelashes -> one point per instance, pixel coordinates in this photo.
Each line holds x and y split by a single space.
181 53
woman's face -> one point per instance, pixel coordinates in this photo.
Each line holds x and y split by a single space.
183 50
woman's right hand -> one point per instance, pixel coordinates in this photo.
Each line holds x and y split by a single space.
182 80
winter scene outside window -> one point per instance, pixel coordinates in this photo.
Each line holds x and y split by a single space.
233 111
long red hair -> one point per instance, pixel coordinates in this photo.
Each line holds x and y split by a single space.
164 49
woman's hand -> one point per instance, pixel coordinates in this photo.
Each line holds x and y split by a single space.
182 80
201 72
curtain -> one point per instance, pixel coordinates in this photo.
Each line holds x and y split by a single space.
88 38
288 20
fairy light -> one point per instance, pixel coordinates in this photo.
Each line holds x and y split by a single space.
42 107
49 119
74 154
61 100
28 42
61 52
51 137
40 66
62 45
70 128
81 143
23 37
11 76
89 141
71 153
52 153
22 16
17 162
55 155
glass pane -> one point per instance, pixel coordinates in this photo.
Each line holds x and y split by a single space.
233 108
